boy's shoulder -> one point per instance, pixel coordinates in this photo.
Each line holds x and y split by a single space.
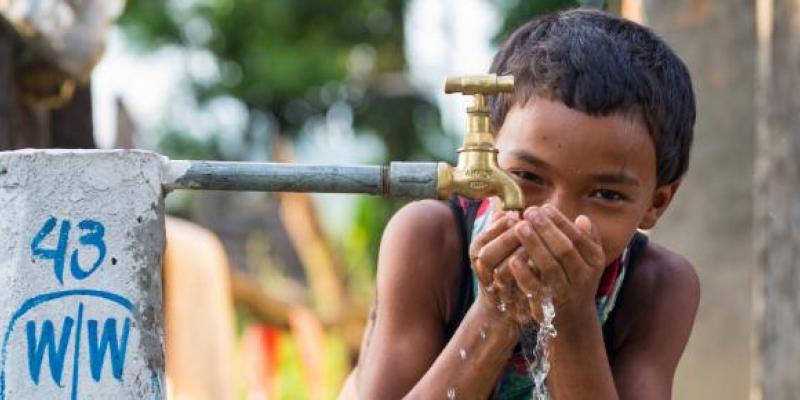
664 271
421 252
426 212
425 224
664 286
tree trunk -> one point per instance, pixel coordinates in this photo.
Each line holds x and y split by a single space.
71 125
6 87
24 126
710 221
20 126
776 288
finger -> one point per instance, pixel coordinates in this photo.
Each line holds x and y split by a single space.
505 291
524 277
560 246
595 256
503 274
590 249
529 284
491 255
484 271
550 271
504 286
493 231
589 229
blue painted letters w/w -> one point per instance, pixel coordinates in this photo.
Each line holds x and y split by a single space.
47 341
109 342
100 343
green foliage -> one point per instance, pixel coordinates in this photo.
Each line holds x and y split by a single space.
185 147
517 12
370 221
289 58
293 383
149 24
403 122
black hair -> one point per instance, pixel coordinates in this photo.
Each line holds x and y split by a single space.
602 65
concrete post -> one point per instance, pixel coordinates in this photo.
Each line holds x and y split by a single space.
710 221
81 244
776 283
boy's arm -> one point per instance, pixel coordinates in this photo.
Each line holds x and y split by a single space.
666 293
404 355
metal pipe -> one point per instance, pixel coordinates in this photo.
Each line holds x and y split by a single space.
400 179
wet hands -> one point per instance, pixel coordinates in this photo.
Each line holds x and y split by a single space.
564 260
520 261
490 254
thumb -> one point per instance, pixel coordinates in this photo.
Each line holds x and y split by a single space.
587 227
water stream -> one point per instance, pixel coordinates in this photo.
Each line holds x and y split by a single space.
535 348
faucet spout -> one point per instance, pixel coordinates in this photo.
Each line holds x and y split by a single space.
478 176
510 193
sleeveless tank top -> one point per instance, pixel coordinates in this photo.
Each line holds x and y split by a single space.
472 218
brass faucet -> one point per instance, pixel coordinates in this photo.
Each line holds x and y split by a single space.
477 174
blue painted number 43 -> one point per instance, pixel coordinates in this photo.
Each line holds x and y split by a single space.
92 236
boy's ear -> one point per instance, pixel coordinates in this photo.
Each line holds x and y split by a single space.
661 198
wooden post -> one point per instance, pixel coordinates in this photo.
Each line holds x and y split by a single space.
22 126
71 126
6 87
776 287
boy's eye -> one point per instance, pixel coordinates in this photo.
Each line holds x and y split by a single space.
608 195
528 176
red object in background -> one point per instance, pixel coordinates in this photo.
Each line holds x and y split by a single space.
308 333
260 351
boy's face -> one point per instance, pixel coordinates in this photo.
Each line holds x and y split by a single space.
601 167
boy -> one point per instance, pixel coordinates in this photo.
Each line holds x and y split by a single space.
597 134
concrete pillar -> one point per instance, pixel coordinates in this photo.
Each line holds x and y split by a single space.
81 244
710 222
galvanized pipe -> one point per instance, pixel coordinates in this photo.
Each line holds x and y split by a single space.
82 240
400 179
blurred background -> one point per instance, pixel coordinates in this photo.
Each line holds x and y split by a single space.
267 294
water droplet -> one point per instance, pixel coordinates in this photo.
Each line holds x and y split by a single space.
483 334
502 306
463 354
451 393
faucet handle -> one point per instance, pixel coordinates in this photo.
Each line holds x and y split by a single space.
479 84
